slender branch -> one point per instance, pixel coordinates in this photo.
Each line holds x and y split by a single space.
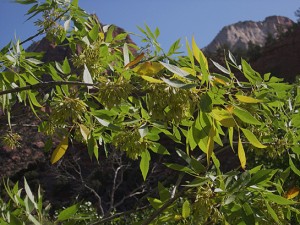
42 31
44 84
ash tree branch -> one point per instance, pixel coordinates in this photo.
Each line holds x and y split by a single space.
45 84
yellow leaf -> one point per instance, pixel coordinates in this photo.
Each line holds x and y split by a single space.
247 99
292 193
152 80
189 70
241 154
101 35
220 81
197 52
230 109
60 150
85 132
223 116
148 68
210 144
135 61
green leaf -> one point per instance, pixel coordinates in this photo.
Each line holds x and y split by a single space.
278 199
245 116
68 212
164 193
144 164
174 47
107 124
247 99
252 138
93 147
152 80
66 66
34 220
94 32
293 167
186 209
261 176
210 144
155 203
180 168
33 99
205 103
250 74
158 148
272 213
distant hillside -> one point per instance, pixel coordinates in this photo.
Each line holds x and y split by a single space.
239 35
282 57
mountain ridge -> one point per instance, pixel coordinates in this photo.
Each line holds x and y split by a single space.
239 35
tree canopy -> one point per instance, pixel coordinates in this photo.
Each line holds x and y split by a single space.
154 108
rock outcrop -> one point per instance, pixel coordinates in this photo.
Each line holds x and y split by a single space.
281 58
239 35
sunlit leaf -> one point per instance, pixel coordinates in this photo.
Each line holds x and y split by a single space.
186 209
210 145
272 213
223 116
223 69
278 199
175 69
68 213
125 54
178 84
148 68
245 116
252 138
60 150
144 164
152 80
241 154
87 78
85 132
247 99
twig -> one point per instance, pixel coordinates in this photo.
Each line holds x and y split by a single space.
44 84
42 31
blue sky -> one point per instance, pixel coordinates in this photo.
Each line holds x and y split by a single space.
175 18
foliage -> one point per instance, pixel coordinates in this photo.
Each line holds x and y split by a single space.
141 102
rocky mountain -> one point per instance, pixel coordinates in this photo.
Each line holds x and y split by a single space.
281 58
239 35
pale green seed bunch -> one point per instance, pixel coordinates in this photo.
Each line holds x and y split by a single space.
204 207
93 58
11 140
171 104
131 143
67 109
111 94
50 25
